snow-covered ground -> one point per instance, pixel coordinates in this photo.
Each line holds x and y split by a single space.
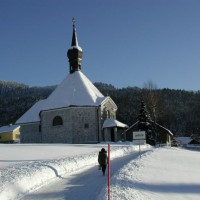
57 171
161 174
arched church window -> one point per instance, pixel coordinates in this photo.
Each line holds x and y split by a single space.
57 121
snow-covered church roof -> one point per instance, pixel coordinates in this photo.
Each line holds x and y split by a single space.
75 90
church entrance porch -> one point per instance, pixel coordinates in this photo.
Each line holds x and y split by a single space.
112 135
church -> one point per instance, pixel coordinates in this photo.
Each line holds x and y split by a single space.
75 112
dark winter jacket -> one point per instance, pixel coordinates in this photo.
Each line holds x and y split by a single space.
103 158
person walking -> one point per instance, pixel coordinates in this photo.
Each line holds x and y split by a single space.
103 160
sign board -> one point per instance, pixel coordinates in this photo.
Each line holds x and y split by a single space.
139 138
139 135
139 142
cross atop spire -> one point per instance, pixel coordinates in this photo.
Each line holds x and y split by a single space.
73 21
74 35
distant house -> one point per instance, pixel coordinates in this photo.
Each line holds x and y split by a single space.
182 141
194 142
10 134
185 141
162 134
155 133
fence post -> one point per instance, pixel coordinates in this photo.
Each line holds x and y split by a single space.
108 171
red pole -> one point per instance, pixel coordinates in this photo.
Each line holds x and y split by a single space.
108 171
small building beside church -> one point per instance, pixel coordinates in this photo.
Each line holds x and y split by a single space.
163 136
10 134
154 132
74 112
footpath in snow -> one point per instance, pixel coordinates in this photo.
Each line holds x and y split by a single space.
82 184
21 179
160 174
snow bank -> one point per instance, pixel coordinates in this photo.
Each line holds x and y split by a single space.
18 180
122 182
164 173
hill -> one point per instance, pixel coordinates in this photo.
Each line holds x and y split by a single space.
177 110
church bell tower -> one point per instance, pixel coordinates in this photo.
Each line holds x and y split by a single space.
75 52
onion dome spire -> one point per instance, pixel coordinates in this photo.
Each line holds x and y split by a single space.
74 53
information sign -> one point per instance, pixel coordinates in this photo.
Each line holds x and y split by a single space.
139 135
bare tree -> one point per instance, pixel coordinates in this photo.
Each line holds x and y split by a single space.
153 100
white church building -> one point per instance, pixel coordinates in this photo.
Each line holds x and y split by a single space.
75 112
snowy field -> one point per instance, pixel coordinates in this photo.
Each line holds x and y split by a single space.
162 174
61 171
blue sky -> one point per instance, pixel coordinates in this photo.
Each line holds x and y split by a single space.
125 42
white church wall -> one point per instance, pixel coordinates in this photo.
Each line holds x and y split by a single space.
108 111
60 133
85 125
107 134
29 133
80 125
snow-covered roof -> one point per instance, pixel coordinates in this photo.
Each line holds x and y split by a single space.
75 90
131 126
183 140
32 115
76 47
167 130
5 129
113 123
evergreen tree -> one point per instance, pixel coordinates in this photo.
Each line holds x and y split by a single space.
144 118
146 124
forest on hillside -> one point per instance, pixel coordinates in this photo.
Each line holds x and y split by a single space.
177 110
